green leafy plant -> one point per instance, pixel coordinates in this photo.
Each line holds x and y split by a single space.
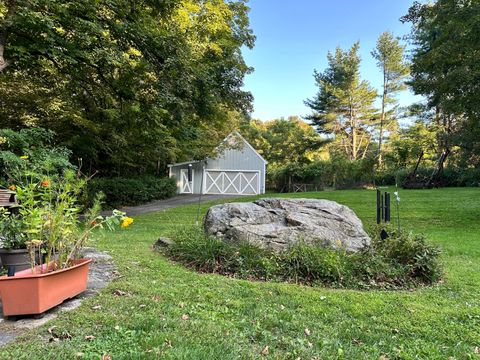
11 231
48 219
30 154
403 260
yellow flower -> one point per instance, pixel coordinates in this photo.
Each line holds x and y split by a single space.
12 188
126 222
24 157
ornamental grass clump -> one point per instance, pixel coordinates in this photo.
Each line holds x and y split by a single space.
401 261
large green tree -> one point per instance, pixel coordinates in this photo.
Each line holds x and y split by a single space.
127 85
445 69
389 54
284 141
344 104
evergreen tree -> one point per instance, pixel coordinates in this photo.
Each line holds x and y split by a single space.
389 54
344 104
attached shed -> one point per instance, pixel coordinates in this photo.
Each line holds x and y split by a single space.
238 169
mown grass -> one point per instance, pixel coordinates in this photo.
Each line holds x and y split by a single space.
237 319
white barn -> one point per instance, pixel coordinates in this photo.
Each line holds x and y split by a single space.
238 169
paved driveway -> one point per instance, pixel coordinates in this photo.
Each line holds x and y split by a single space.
173 202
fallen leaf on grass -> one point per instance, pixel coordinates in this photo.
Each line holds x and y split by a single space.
307 332
89 337
357 342
476 350
157 298
96 307
185 317
58 336
383 357
141 306
167 343
264 352
120 293
310 345
106 357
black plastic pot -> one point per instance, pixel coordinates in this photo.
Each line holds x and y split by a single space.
19 258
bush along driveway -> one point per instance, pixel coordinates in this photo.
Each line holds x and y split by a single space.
159 309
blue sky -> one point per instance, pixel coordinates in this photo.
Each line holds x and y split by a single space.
293 38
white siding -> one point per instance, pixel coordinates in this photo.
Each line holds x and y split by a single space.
197 171
240 158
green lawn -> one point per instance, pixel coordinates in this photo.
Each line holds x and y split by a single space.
236 319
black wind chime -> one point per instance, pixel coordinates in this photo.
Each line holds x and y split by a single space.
383 211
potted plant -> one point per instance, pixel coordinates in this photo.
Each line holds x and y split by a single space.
13 250
49 221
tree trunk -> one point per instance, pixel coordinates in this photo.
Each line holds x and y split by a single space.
382 118
353 127
11 7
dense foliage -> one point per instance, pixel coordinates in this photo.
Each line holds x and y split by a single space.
283 141
338 173
129 191
445 70
402 260
31 153
127 86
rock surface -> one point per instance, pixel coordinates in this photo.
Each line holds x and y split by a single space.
278 223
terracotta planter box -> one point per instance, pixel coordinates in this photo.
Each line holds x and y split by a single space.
28 294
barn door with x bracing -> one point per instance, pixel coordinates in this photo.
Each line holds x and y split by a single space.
187 186
231 182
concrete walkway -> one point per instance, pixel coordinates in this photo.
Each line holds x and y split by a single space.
176 201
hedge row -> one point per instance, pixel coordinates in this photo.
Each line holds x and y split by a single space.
344 174
338 173
127 192
451 177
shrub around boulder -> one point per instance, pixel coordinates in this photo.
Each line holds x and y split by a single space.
277 224
402 261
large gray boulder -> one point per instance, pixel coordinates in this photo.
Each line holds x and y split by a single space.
278 223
